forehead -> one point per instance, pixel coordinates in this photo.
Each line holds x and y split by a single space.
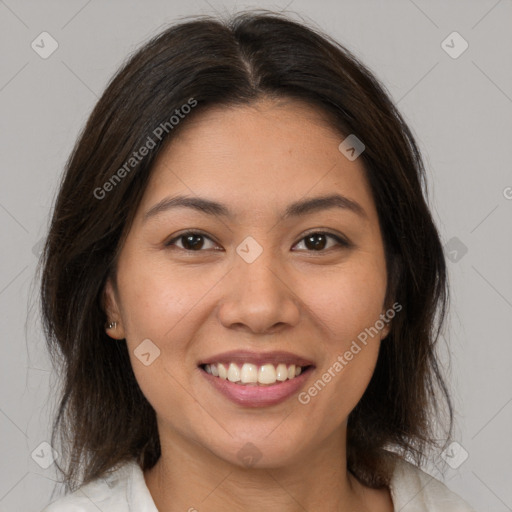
265 127
257 157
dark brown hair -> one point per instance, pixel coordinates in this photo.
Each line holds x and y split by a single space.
103 418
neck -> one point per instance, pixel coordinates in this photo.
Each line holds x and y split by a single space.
189 477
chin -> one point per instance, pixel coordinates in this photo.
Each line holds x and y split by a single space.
259 452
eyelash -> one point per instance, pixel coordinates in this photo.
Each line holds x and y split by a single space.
341 241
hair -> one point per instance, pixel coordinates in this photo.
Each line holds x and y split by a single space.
102 417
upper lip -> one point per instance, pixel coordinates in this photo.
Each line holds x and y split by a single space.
257 358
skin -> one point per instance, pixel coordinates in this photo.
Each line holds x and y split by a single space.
193 304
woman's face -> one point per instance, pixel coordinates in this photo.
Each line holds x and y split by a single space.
263 286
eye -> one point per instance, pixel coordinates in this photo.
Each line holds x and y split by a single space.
318 240
192 241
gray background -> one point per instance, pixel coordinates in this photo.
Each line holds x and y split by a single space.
459 108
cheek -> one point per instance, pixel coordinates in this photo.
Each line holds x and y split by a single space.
166 306
348 301
163 307
347 304
157 299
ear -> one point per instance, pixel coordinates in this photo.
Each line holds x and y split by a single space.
385 330
387 323
112 311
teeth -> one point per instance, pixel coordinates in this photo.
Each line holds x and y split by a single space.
251 374
233 373
281 372
267 374
223 373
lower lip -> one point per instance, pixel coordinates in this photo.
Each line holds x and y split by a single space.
256 395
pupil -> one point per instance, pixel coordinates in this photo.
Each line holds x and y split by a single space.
318 244
316 241
193 241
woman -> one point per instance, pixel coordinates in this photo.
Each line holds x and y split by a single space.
243 286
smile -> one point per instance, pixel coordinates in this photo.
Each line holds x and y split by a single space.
256 380
252 374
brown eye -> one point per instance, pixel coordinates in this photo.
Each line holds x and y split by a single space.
318 241
190 241
193 241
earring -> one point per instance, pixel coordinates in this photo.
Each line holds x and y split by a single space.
111 325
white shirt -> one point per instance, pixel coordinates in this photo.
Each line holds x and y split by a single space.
125 490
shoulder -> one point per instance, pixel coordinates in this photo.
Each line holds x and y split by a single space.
416 491
116 491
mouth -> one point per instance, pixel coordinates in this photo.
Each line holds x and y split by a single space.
256 380
248 374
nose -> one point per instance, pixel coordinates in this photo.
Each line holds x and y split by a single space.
258 297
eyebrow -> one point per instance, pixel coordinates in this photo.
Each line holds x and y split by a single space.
297 209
